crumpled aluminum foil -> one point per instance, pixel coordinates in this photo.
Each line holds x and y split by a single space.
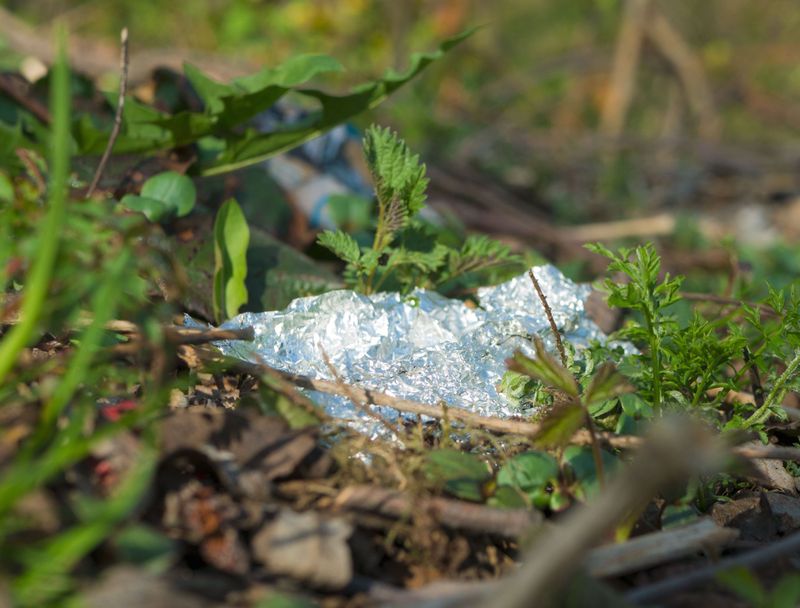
422 347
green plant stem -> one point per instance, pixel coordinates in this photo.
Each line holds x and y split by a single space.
655 359
775 395
37 282
596 454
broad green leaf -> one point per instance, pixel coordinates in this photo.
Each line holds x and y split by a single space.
507 497
461 474
635 407
229 106
209 90
153 209
276 272
581 461
606 384
544 367
254 147
231 237
531 473
601 408
292 72
175 189
168 194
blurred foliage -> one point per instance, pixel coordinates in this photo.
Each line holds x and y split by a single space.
537 64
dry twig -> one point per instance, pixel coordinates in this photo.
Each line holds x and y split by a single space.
355 398
697 576
13 90
123 88
549 314
626 61
450 513
649 550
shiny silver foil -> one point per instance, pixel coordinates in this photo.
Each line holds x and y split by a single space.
423 346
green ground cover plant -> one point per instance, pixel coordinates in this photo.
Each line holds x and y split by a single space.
406 254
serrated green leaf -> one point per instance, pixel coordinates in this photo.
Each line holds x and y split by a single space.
231 237
398 174
544 367
560 424
254 147
228 106
341 244
296 70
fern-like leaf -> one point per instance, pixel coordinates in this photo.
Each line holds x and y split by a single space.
478 253
400 182
341 244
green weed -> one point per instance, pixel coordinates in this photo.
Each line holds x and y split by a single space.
407 253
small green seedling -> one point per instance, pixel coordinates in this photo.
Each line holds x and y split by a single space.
166 195
231 237
405 253
573 410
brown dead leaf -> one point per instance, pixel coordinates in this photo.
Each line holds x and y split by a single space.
307 548
226 552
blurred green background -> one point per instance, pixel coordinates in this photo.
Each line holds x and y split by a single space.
536 64
533 98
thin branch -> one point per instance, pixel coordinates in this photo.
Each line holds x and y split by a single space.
598 460
12 90
549 313
451 513
204 336
362 405
488 423
694 577
123 88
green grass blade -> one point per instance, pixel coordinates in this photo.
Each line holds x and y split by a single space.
38 280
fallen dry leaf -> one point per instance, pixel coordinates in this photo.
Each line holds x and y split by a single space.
307 548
